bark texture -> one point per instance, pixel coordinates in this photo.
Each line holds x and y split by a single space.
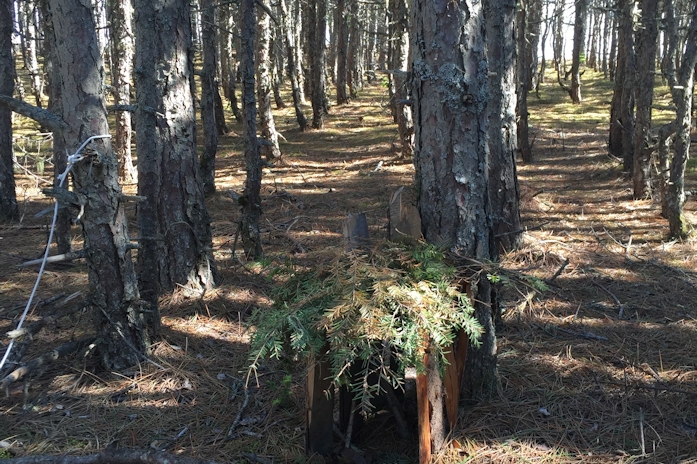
8 196
318 60
173 221
293 75
451 97
270 148
120 314
579 40
209 87
504 194
122 50
647 42
399 62
251 200
682 94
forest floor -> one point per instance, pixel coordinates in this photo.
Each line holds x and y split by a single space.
601 368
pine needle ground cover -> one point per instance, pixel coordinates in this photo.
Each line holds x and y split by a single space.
578 383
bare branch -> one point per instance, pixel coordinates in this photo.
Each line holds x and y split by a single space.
40 115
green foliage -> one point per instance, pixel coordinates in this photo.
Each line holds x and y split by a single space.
372 314
283 390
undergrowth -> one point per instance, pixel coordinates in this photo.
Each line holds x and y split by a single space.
371 313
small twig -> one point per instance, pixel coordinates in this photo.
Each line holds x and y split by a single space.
524 229
236 422
559 271
612 295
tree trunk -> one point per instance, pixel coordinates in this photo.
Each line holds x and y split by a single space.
682 98
579 36
64 219
558 47
534 17
318 60
522 129
621 109
270 148
626 115
209 86
451 96
32 62
354 74
290 45
251 200
175 246
504 194
399 62
123 323
122 49
647 37
8 195
341 30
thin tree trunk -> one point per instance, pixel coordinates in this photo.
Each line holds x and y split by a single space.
626 115
32 62
208 88
290 45
341 29
503 180
8 196
251 200
646 37
522 129
318 58
270 148
682 98
122 49
398 76
579 36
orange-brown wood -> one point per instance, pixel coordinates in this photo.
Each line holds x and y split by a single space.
424 413
453 376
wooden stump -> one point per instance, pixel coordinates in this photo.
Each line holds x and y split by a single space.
319 422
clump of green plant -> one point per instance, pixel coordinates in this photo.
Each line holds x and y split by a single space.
370 313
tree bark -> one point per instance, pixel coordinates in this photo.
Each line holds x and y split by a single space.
251 200
341 30
451 98
500 16
290 45
682 98
523 67
318 60
579 37
647 38
122 49
175 245
209 86
269 149
8 196
399 62
123 323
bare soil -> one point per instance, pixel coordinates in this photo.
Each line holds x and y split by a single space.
599 368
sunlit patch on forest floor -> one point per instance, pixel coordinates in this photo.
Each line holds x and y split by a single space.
579 383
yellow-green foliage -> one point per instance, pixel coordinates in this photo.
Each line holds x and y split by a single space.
377 312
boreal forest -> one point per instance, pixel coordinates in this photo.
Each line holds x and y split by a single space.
348 231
